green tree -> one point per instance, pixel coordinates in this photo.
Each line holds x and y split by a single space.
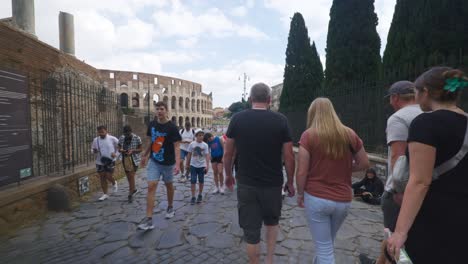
303 72
237 107
353 45
426 32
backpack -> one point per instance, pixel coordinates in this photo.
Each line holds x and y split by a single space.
401 168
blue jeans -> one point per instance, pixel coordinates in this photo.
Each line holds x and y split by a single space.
325 218
197 172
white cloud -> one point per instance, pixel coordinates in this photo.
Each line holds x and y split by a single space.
189 42
240 11
225 84
136 34
384 10
181 22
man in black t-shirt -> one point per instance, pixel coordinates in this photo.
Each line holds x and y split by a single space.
259 137
163 153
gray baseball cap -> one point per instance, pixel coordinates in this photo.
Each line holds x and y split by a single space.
401 87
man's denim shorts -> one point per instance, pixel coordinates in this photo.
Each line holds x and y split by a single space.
156 172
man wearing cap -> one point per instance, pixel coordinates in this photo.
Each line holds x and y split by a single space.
402 99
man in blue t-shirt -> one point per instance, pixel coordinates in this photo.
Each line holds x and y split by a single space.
163 154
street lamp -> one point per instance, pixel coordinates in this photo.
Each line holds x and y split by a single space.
245 78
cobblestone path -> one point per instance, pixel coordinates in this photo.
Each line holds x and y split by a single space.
106 232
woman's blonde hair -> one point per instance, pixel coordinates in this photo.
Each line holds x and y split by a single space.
333 136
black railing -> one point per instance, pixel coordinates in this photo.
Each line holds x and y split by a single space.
66 108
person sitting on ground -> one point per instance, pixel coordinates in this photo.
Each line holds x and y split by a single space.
198 159
370 188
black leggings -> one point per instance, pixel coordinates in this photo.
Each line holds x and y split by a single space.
370 199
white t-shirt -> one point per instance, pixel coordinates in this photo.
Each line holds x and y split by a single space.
199 152
105 147
397 130
187 135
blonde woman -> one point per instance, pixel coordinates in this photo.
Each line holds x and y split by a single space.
329 152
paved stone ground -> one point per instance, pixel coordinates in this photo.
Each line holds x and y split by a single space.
106 232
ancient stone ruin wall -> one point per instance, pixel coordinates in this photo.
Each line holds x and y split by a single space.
185 99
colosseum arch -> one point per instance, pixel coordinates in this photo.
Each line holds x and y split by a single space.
145 99
166 100
181 103
198 106
173 102
193 105
193 122
187 119
187 104
181 121
174 120
124 100
155 99
198 122
135 100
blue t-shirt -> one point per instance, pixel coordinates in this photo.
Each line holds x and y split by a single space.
216 148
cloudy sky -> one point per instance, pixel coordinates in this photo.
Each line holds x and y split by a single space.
207 41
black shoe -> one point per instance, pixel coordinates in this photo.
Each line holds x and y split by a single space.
192 202
130 198
199 199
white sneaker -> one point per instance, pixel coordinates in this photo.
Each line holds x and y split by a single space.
215 191
116 187
221 190
170 213
103 197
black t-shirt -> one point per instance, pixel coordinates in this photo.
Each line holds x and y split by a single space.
163 137
443 213
259 136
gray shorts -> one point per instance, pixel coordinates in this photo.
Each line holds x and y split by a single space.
156 172
390 211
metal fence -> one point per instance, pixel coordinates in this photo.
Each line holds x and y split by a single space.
66 108
361 105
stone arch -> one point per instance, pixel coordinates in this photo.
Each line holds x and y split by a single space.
198 121
181 121
193 105
174 120
124 100
145 100
166 100
187 119
193 122
135 100
173 102
181 103
187 104
198 105
156 99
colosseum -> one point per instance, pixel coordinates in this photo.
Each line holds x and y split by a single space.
185 99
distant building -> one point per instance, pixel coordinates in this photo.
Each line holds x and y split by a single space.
275 96
218 112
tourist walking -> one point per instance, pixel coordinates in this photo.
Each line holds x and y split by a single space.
328 154
163 154
130 147
259 136
370 188
402 99
187 134
198 159
106 148
216 145
433 216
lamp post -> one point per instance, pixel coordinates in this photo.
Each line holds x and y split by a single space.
148 95
245 79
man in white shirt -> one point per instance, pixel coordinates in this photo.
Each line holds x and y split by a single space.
187 135
402 99
106 148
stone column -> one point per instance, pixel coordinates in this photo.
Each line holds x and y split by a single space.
23 15
67 33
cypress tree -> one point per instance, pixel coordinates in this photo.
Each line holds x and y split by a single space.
353 45
303 72
426 32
